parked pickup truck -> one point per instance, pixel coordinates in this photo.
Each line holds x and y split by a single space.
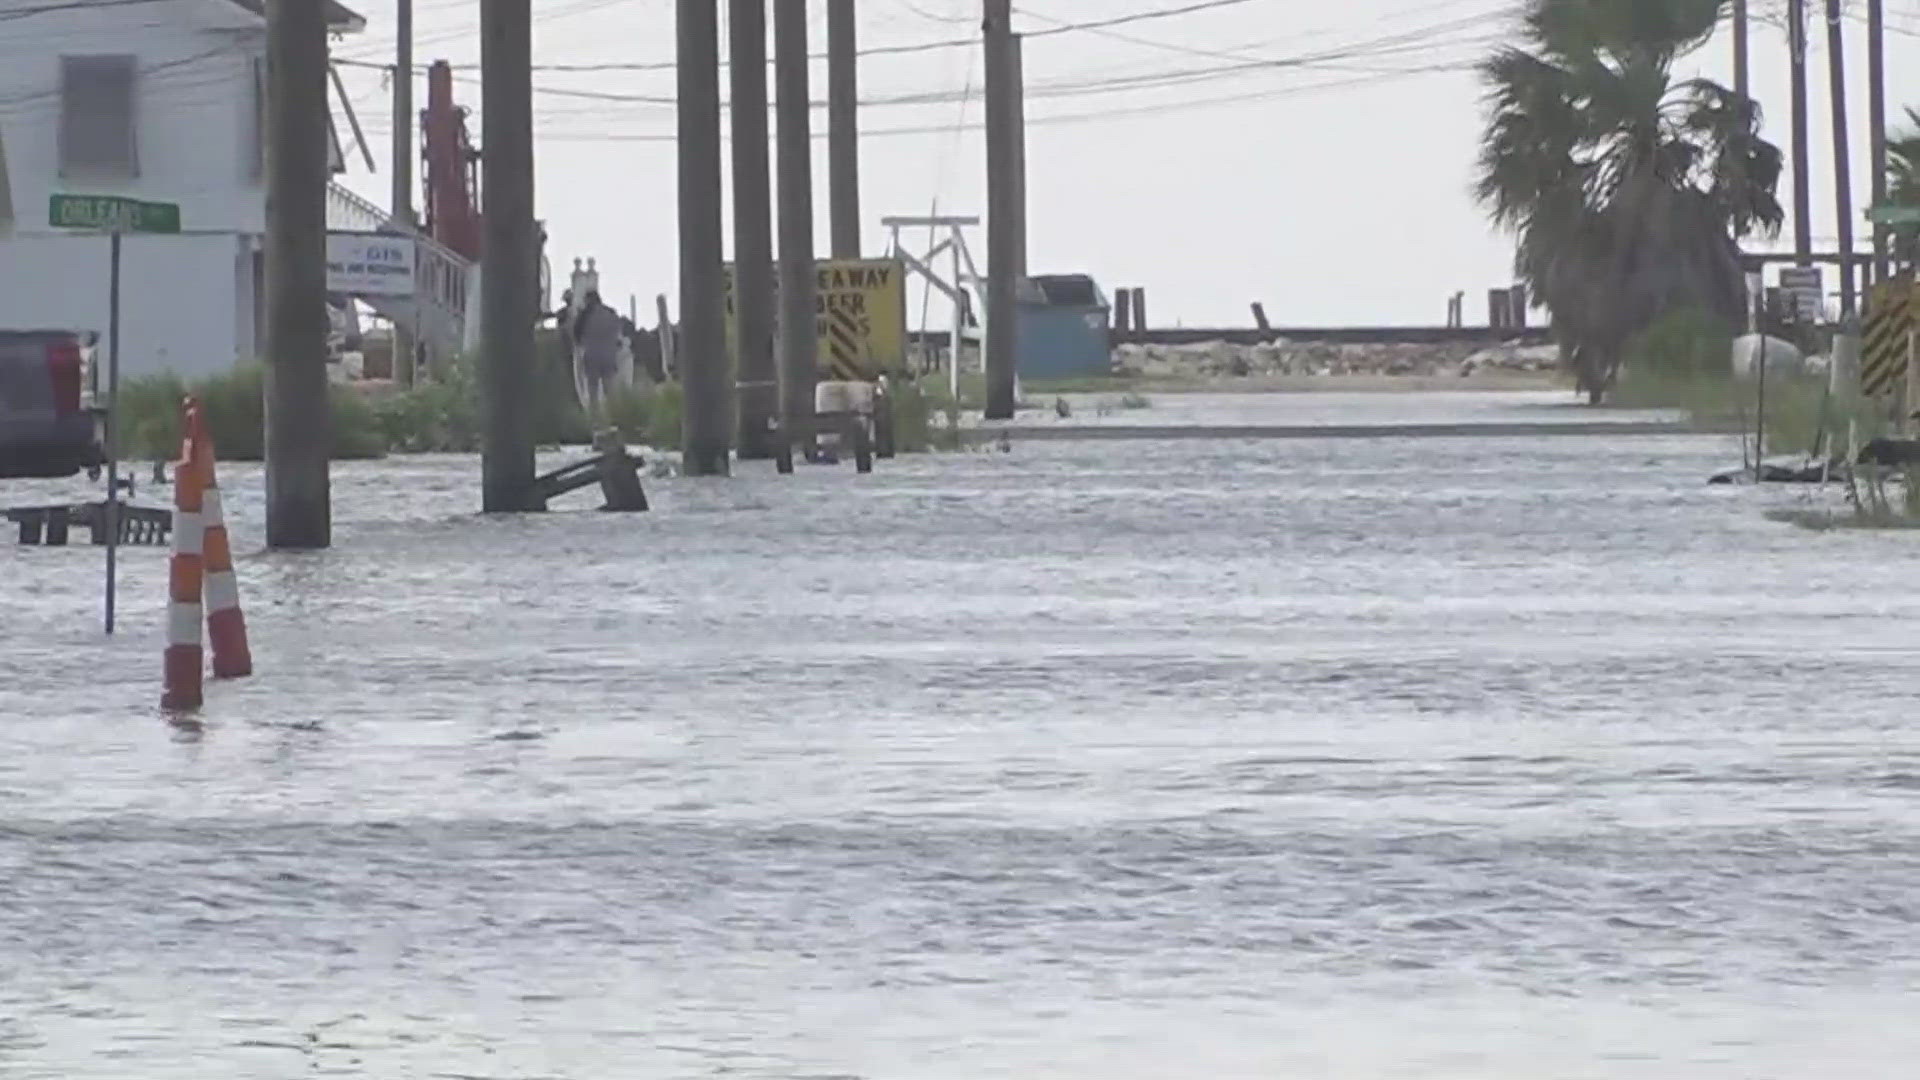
47 425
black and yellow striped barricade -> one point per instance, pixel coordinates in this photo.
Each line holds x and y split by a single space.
1884 337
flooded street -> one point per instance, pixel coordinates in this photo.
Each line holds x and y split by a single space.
1475 759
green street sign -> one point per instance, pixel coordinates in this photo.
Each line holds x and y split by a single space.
1894 215
107 213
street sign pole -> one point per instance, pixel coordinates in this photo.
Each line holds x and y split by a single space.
113 425
115 217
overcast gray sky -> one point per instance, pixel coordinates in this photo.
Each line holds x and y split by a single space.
1335 191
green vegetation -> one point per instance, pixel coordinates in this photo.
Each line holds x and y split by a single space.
1626 186
443 416
1903 181
234 411
1684 362
647 415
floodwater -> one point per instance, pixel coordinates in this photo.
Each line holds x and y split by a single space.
1476 759
1342 408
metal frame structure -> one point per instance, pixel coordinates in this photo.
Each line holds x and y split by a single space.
965 271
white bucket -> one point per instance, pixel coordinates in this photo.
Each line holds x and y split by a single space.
843 397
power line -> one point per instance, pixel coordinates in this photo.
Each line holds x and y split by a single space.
1060 119
908 49
1421 39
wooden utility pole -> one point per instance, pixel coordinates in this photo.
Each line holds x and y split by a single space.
758 380
403 124
1016 45
510 270
799 348
1003 223
1842 152
1742 79
843 127
704 438
1802 192
298 439
1877 122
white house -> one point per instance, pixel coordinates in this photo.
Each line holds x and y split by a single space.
161 100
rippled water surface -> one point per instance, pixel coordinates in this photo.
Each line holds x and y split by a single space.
1466 758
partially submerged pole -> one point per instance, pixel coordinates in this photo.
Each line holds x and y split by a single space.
799 348
510 273
757 379
299 504
1003 225
703 366
403 122
112 507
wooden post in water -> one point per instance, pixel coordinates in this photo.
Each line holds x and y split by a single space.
799 348
1003 224
299 500
402 210
703 363
509 276
757 379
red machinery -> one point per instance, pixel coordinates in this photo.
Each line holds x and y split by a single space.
452 168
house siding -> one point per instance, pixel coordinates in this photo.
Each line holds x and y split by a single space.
186 302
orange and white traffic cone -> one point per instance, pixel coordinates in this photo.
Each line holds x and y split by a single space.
185 578
226 626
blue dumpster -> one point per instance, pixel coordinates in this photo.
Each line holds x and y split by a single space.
1063 333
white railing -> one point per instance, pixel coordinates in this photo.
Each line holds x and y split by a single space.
438 311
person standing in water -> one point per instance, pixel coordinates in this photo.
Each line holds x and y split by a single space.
596 334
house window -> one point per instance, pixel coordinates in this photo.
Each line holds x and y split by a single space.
98 135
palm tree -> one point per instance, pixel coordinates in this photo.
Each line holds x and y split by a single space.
1625 187
1903 162
1903 179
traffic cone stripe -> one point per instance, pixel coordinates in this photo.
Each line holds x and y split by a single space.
189 533
223 594
183 626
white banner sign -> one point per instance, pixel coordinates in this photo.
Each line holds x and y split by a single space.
369 264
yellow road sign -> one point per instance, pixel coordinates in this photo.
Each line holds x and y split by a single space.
860 311
1883 348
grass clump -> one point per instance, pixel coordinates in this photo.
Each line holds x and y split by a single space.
445 415
1684 362
233 406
